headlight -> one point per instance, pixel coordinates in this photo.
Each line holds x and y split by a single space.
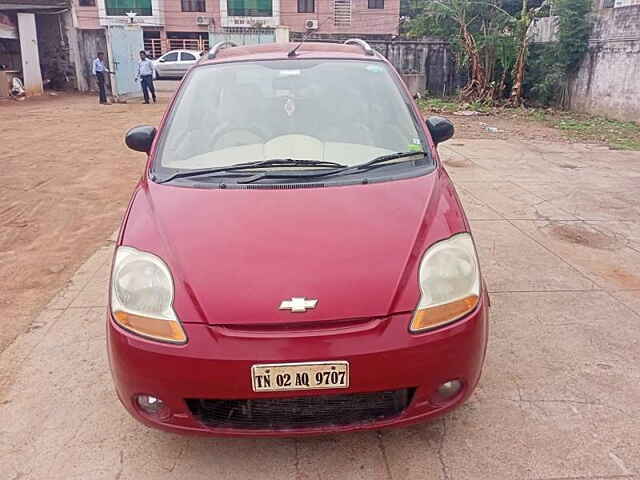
142 296
449 281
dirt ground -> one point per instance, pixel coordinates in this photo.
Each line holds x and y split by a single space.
542 124
508 127
65 183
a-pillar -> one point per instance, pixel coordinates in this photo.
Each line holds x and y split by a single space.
29 53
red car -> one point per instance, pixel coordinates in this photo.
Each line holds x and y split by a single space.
295 259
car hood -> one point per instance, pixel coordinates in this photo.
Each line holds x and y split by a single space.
236 254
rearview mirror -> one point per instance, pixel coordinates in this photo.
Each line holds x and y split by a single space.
440 128
140 138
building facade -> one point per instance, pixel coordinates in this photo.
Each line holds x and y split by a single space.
34 45
194 24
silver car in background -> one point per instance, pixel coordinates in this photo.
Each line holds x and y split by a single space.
175 63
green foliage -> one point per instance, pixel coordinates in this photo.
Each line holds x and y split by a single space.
618 135
436 104
433 19
574 28
493 29
576 127
411 8
551 65
451 105
498 30
546 78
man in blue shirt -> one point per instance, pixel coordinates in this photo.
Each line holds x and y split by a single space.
145 74
98 70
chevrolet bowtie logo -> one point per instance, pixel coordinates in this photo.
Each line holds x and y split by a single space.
298 304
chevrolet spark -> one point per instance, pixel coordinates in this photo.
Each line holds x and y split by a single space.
295 259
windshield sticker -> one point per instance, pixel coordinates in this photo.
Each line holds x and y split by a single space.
414 147
289 73
375 68
289 106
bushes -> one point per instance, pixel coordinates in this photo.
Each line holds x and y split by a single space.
551 66
491 41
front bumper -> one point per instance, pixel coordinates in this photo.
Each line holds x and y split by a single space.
216 364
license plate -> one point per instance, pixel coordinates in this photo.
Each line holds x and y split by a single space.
299 376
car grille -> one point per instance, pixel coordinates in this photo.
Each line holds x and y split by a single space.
301 412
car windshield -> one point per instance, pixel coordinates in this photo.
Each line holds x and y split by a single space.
341 111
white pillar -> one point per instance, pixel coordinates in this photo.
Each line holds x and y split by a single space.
29 53
282 34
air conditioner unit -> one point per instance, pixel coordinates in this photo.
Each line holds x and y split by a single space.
202 20
311 24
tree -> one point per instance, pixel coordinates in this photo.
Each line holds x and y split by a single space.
523 24
551 66
491 38
482 35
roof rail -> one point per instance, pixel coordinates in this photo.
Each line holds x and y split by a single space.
365 46
213 51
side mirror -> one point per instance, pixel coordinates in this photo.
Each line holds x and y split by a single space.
440 128
162 60
140 138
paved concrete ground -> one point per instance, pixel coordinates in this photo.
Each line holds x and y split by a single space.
559 239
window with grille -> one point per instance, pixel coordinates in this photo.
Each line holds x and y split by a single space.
87 3
188 40
625 3
342 13
306 6
249 8
194 6
122 7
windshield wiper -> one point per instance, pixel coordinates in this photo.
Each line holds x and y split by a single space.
274 162
375 163
386 158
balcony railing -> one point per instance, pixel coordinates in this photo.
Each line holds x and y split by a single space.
156 47
153 47
189 44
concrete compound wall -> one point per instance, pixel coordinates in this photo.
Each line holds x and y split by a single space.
544 30
426 65
608 82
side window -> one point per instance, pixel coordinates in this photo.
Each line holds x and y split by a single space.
171 57
186 57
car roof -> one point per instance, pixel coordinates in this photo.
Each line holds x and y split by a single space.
279 51
182 50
